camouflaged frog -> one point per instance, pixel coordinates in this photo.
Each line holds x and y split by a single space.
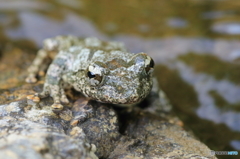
102 71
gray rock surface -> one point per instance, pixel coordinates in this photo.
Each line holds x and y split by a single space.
34 131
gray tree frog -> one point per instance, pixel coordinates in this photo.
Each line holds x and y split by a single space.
102 71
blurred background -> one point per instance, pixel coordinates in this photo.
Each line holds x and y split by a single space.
194 43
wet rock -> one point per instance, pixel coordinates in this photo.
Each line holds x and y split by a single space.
90 129
151 136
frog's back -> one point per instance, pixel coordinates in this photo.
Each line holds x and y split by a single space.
101 50
61 43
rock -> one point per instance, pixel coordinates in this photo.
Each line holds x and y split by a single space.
39 133
151 136
101 127
104 132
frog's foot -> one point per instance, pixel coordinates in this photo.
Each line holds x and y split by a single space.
63 98
58 99
57 94
56 107
34 98
43 94
31 78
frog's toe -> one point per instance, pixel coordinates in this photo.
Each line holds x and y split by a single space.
57 107
43 94
64 99
34 98
31 79
41 73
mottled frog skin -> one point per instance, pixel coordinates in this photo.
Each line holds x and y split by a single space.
102 71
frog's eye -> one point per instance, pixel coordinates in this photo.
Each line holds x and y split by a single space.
91 75
149 65
95 75
141 62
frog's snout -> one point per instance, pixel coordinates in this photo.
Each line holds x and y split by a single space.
130 94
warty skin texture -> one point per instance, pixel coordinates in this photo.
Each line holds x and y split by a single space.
102 71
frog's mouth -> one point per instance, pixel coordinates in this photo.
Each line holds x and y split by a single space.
122 96
121 101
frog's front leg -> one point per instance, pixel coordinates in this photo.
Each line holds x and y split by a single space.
53 85
57 93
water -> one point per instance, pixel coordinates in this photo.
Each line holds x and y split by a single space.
194 43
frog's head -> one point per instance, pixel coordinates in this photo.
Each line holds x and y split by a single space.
120 82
